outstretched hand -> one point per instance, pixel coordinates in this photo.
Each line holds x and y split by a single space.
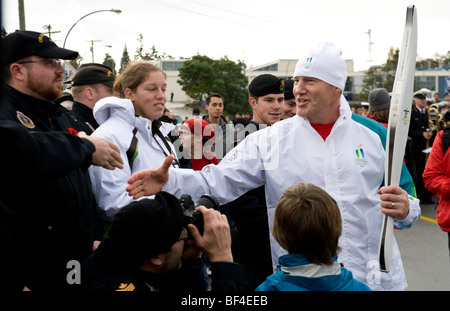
149 181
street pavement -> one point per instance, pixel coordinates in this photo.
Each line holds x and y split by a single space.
425 253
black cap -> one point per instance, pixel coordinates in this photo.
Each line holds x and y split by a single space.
146 228
420 96
94 64
288 89
266 84
23 43
93 74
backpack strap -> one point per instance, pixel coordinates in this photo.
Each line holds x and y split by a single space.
446 139
155 129
132 151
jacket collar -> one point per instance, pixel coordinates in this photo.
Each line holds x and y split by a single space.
32 104
345 115
299 265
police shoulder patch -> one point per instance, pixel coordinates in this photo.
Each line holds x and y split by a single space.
26 121
125 287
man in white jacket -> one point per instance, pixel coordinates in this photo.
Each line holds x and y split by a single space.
322 146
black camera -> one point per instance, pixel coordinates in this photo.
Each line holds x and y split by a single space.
191 216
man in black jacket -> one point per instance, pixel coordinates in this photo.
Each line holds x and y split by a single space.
32 159
54 214
90 84
225 135
419 133
251 244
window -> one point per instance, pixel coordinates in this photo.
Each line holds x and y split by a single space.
426 82
273 67
172 66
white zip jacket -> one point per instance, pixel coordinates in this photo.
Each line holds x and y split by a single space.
349 165
117 120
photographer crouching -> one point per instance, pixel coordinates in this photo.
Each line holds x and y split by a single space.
149 249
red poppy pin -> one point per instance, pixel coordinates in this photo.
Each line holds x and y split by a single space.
73 131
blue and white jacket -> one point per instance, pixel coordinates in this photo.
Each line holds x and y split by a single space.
296 273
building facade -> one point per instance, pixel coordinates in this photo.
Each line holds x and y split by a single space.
434 80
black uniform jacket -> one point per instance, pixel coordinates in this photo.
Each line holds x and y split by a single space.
49 210
85 118
105 272
417 125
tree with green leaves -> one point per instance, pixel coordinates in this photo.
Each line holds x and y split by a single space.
440 61
381 76
125 60
203 75
142 55
110 62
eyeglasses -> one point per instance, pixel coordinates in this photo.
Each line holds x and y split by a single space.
49 61
184 235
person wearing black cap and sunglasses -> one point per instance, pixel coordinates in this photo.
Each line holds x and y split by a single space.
55 213
147 249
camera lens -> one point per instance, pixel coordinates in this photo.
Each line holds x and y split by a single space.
208 201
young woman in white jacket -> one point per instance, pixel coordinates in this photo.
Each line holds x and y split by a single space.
131 121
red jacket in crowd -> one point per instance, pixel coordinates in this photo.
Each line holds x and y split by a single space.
436 178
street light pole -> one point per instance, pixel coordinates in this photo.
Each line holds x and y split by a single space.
65 39
112 10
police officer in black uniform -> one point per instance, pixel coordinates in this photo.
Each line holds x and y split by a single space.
55 213
31 159
419 133
90 84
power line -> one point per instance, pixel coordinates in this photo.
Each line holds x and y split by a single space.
166 4
233 12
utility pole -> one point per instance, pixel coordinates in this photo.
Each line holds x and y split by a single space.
49 30
21 15
92 47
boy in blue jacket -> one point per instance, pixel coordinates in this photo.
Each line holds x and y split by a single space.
307 223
